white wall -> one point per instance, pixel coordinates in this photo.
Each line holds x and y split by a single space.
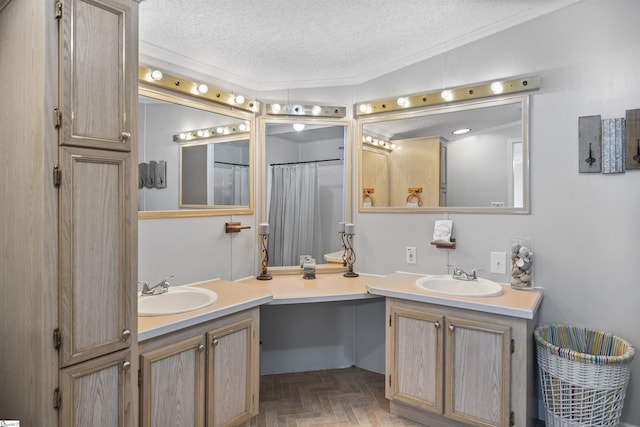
585 227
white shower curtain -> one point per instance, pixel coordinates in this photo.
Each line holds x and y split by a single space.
294 214
240 185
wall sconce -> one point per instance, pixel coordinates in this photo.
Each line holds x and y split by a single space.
349 256
462 93
197 89
213 132
263 232
305 110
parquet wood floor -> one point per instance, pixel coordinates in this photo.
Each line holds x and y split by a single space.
328 398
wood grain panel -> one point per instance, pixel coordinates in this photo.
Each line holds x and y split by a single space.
98 49
477 372
95 245
415 164
633 139
375 174
230 393
415 358
173 385
94 393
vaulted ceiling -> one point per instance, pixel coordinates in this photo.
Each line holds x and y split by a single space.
284 44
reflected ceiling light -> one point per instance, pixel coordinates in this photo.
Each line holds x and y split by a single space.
447 95
457 94
461 131
208 133
306 110
203 88
377 143
151 77
299 126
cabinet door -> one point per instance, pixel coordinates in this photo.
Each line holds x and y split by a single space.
98 87
414 358
232 374
97 238
173 385
478 367
97 393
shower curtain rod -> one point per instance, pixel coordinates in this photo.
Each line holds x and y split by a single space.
308 161
230 164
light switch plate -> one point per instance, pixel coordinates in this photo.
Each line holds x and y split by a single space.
498 262
411 255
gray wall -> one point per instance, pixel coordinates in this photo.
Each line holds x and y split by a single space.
585 227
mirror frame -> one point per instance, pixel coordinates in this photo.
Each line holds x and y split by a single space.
163 95
347 208
523 99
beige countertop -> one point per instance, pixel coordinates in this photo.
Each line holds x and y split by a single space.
232 297
293 289
512 302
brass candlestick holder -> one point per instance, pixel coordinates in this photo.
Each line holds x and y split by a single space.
264 254
349 256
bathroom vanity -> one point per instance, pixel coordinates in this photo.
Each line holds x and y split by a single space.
454 361
449 360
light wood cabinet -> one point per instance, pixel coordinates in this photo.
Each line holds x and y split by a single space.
98 69
97 291
454 367
96 393
173 384
217 359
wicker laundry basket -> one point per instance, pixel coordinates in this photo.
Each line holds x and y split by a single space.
584 375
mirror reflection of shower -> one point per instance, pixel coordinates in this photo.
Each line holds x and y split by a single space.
305 191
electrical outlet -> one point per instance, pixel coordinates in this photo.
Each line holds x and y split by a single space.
411 255
498 262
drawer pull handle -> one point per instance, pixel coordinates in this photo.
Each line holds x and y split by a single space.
214 342
126 365
452 328
126 334
437 325
201 347
125 136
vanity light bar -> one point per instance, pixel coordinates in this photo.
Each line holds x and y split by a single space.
214 132
463 93
305 110
197 89
378 143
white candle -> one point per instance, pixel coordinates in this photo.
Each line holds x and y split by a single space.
349 229
263 229
341 227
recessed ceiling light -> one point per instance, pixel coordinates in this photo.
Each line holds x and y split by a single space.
461 131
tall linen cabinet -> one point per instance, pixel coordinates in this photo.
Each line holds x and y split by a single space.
68 354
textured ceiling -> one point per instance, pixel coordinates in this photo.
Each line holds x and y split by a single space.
283 44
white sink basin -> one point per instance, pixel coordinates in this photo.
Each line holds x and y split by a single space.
178 299
448 285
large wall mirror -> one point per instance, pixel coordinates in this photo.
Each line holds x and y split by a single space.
195 158
471 157
306 182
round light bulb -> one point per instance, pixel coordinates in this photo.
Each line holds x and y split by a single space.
239 99
183 136
402 102
275 108
219 130
299 126
496 87
368 139
364 108
156 75
316 110
447 95
200 133
203 88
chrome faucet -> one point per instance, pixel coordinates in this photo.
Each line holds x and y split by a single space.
158 289
460 274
